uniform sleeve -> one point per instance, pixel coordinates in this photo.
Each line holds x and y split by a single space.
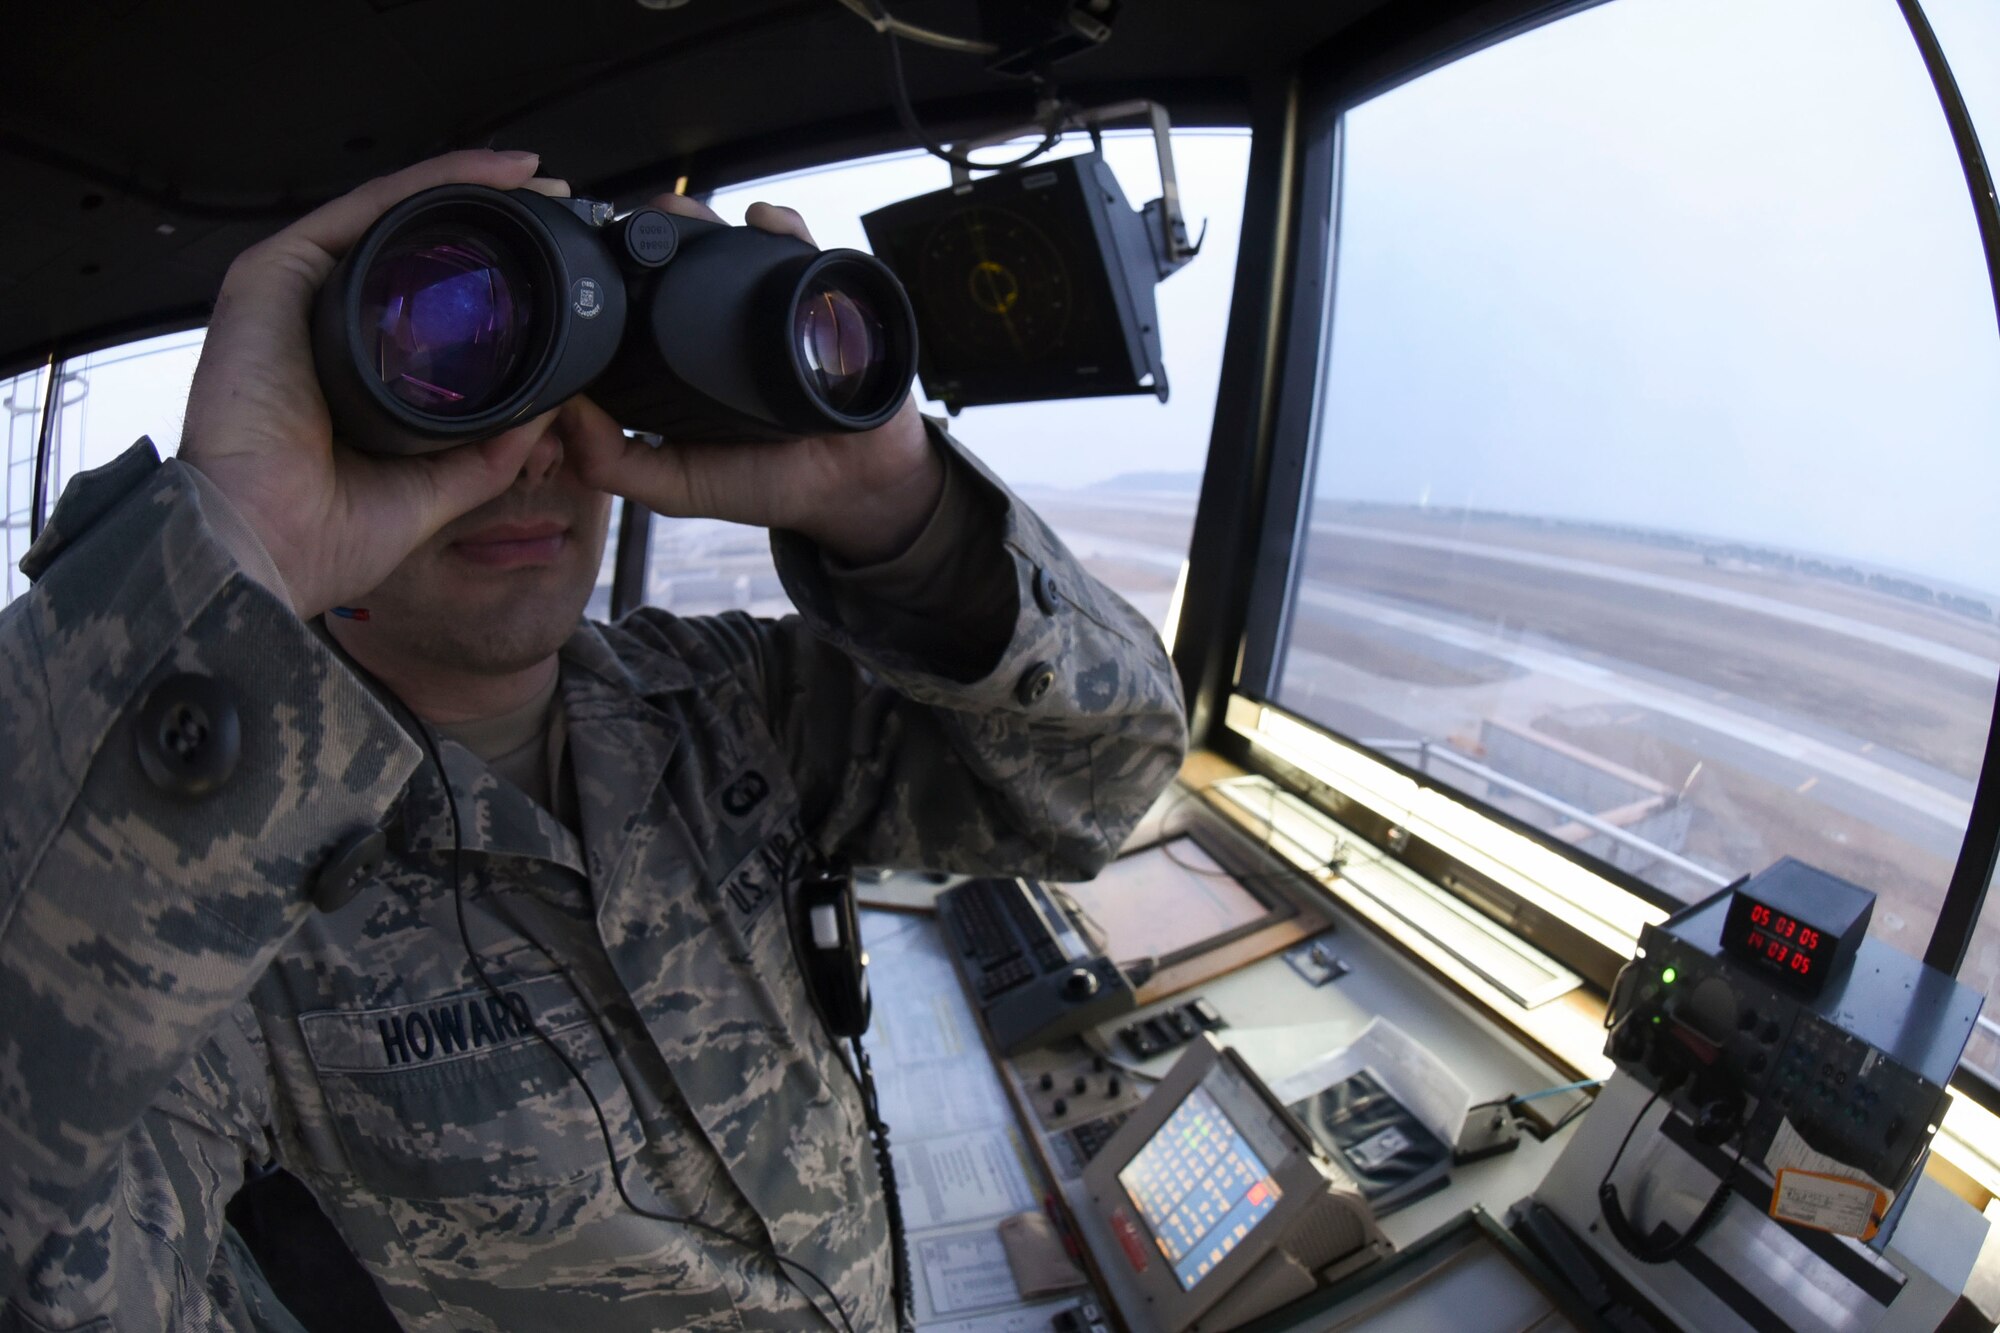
947 601
1039 762
183 766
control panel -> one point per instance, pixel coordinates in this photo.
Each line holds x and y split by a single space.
1079 1099
1170 1028
1028 964
1859 1071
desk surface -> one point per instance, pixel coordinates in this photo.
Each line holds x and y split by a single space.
965 1160
1280 1024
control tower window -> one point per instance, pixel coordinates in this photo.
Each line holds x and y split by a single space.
22 397
106 400
1654 479
1117 478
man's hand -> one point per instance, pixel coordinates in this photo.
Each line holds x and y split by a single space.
863 498
335 521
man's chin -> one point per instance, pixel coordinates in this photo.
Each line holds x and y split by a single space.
499 647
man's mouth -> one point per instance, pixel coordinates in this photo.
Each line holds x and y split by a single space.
513 545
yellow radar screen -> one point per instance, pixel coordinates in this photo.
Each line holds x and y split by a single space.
1031 284
1005 275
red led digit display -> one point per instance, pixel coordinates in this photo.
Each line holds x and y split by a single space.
1763 940
1767 936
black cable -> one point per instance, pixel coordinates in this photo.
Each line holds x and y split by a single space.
892 1202
603 1125
1568 1117
1335 861
1645 1249
863 1073
899 89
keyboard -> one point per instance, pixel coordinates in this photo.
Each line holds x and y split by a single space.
1030 968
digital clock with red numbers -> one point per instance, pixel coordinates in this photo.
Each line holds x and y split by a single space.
1802 927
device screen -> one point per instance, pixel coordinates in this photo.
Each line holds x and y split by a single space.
1200 1187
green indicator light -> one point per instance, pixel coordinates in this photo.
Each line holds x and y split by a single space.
1668 976
1656 1018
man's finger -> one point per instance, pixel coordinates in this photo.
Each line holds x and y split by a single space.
778 218
596 446
551 186
462 478
682 206
335 226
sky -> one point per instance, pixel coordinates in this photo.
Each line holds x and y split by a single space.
1700 265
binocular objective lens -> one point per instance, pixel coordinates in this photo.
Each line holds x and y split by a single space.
446 318
843 345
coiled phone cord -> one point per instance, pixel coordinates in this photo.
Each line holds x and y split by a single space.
892 1203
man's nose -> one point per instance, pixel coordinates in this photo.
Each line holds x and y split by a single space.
542 461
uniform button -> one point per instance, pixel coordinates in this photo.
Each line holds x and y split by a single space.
350 868
1048 593
1035 682
188 736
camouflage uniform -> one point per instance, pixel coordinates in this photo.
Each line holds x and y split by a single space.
187 985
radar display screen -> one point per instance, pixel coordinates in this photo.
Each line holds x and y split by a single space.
1200 1187
1020 286
999 281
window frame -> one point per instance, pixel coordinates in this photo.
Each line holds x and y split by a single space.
1247 540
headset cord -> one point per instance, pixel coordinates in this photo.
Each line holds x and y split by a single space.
786 1267
892 1203
1659 1249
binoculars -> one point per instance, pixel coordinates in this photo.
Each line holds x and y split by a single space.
466 310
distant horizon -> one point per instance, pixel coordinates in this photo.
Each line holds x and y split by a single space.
1131 482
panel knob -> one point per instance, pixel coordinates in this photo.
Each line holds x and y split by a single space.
1080 984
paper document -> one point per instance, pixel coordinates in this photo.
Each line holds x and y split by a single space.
1839 1204
961 1272
939 1105
1789 1150
1417 1079
959 1166
960 1178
